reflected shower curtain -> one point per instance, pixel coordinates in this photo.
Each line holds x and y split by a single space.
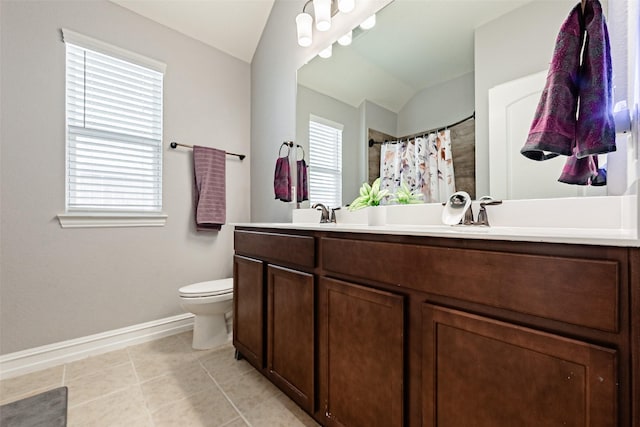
426 166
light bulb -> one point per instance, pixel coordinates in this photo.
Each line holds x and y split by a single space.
303 24
346 39
322 10
369 23
346 6
326 53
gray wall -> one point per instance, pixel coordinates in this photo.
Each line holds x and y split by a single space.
513 46
58 284
437 106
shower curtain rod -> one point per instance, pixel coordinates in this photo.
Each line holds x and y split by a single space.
438 129
175 145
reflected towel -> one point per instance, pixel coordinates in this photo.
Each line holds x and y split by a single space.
282 179
210 192
302 189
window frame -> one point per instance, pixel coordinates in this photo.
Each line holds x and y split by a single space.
80 218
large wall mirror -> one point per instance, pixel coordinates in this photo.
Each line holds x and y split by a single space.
429 64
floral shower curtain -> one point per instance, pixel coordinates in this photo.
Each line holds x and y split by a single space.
425 165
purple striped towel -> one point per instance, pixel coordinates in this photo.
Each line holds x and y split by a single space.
209 194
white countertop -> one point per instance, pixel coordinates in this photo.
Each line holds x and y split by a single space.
602 237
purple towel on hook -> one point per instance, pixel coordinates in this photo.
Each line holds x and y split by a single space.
596 133
282 179
303 184
555 130
209 193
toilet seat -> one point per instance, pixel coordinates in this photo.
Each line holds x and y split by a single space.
207 289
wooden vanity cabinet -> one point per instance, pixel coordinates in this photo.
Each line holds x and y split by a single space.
248 309
361 355
291 333
380 330
486 373
274 314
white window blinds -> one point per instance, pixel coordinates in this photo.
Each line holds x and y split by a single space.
325 162
114 132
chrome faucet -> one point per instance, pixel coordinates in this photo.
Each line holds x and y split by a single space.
324 217
483 218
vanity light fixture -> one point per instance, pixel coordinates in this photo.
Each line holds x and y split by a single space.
323 11
304 22
346 6
326 53
369 23
346 39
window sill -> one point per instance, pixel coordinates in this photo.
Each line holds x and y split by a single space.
101 220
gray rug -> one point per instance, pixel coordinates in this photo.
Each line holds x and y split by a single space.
48 409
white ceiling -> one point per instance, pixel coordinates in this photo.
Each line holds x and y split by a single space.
233 26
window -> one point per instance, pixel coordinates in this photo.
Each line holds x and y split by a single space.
114 129
325 162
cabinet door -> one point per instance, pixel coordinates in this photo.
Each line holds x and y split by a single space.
248 309
290 336
361 355
481 372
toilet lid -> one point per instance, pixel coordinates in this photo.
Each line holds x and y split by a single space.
209 288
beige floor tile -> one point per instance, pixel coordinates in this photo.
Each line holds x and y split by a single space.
122 408
157 358
29 384
223 367
100 383
297 411
249 390
238 422
94 364
208 408
274 413
178 384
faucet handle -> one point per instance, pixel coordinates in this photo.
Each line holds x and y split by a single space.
488 201
468 217
333 214
483 218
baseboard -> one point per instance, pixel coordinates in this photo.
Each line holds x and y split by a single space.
35 359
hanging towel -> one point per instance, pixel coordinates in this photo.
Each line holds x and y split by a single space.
596 132
209 192
555 128
282 179
302 189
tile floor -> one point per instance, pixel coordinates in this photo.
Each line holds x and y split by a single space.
163 383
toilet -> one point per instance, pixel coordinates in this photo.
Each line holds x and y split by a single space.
209 302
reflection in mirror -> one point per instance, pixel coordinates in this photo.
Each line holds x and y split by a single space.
429 64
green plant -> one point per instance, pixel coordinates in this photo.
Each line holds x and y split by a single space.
370 195
404 196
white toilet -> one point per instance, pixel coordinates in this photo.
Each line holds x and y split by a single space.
209 301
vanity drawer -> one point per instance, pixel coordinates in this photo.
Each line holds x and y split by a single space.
278 248
582 292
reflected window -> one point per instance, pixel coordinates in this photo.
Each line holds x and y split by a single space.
325 161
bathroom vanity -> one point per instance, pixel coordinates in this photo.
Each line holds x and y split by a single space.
393 329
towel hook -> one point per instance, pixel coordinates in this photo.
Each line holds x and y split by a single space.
302 148
287 144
